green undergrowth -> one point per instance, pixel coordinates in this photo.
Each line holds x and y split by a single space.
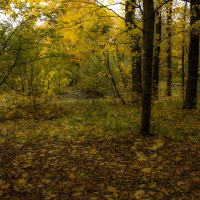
169 119
106 118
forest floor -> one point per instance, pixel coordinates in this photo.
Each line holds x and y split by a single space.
92 150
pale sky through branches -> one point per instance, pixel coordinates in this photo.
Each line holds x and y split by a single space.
114 5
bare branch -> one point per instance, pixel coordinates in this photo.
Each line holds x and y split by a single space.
104 6
13 65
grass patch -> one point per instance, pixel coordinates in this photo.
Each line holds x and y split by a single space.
104 117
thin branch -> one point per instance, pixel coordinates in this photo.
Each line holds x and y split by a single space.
104 6
14 31
161 5
11 68
6 3
41 58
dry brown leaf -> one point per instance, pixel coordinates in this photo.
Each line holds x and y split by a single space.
146 170
111 189
139 194
72 176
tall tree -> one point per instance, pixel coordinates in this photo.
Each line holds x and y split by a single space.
193 58
156 66
130 9
183 53
148 26
169 48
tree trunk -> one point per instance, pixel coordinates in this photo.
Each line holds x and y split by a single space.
157 55
169 49
183 55
130 8
137 67
113 80
193 59
183 69
148 26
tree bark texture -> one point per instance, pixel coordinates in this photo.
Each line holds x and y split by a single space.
157 55
130 9
169 49
193 59
148 26
183 54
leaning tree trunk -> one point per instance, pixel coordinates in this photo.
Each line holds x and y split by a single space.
112 79
193 58
169 49
148 26
157 55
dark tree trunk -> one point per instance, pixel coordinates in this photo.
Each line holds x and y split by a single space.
148 26
183 69
193 59
135 47
169 50
137 67
157 56
183 55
